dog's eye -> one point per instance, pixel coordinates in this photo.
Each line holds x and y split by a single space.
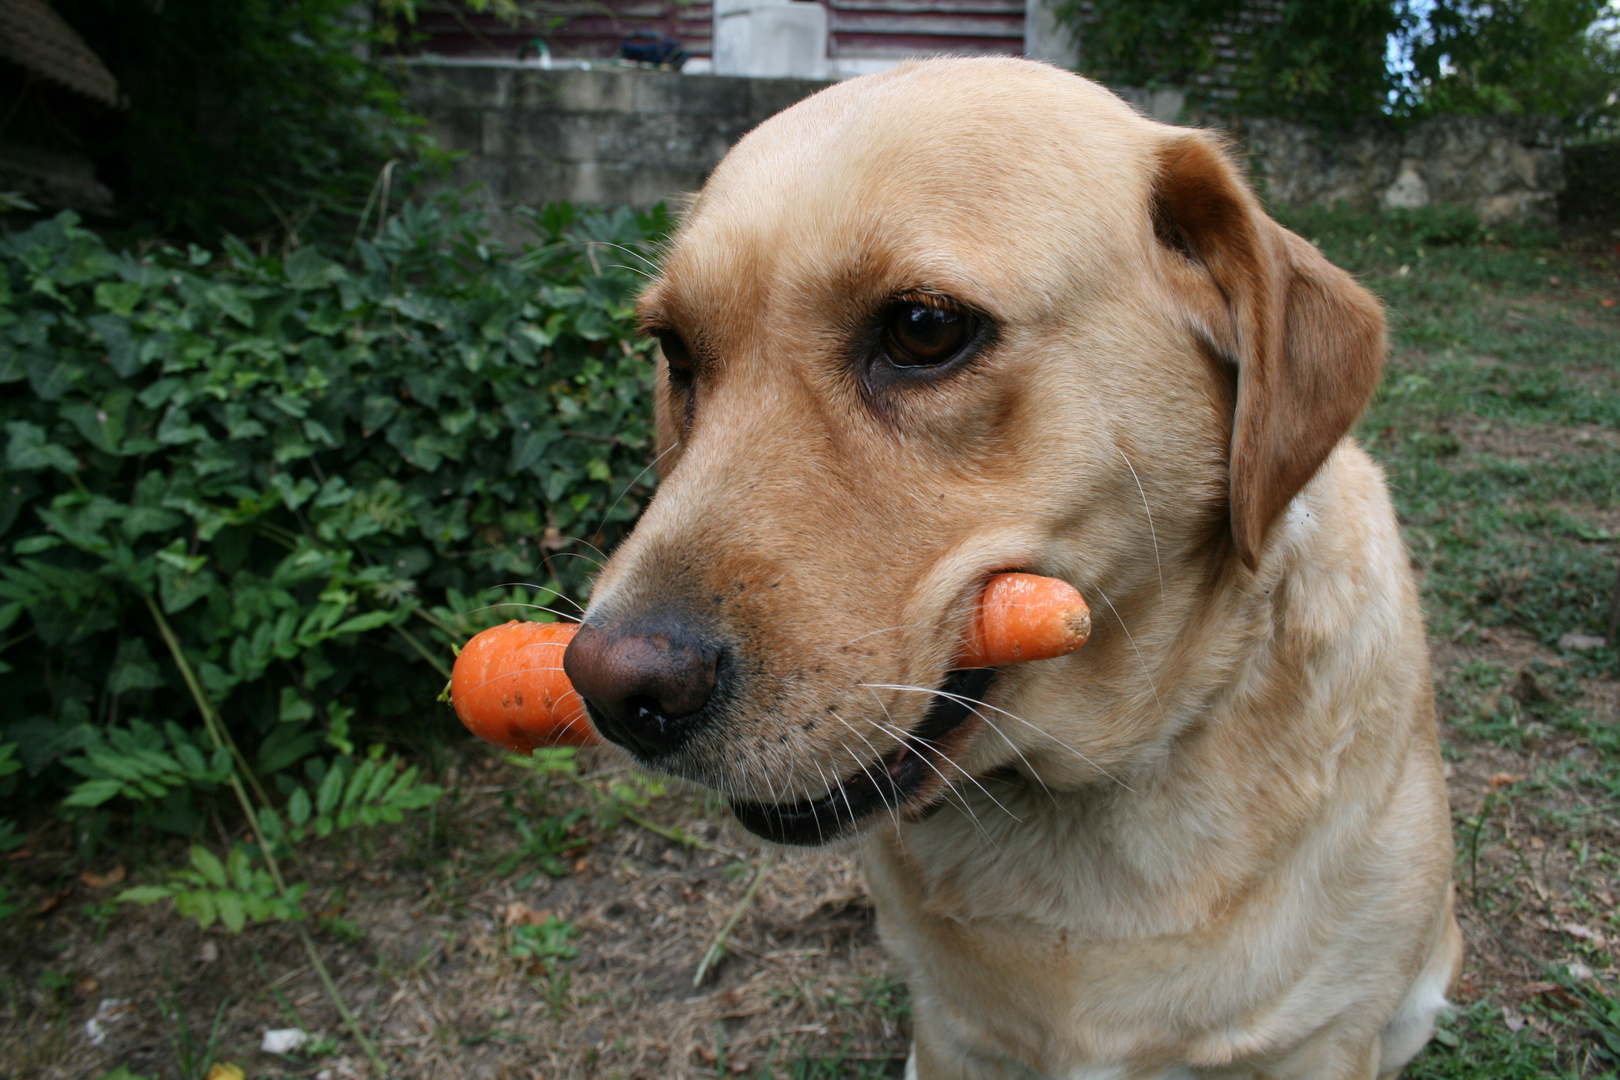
924 335
676 356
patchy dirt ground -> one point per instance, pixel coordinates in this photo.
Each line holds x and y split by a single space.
418 925
1537 869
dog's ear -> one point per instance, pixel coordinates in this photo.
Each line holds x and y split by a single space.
1307 341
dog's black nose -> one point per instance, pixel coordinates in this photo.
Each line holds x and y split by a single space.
645 682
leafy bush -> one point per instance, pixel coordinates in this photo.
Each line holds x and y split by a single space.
1537 57
1315 60
279 489
1339 61
256 116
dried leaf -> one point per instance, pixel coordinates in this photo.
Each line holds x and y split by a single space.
224 1070
1502 779
521 914
101 881
47 905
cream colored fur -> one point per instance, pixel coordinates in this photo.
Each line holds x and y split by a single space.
1213 843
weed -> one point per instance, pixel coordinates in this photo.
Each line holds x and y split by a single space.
194 1059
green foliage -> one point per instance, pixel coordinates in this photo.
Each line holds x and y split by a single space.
1535 57
542 840
142 763
1318 60
234 892
256 116
1473 1043
1327 61
545 943
309 469
342 795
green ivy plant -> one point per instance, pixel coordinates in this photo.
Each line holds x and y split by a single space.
281 490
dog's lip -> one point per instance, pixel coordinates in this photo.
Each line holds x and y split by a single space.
886 785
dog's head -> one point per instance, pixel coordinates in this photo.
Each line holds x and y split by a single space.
926 326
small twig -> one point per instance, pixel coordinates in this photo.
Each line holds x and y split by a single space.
438 623
221 738
411 640
1614 615
717 948
216 730
679 836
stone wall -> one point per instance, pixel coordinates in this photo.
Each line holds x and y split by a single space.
1505 168
622 135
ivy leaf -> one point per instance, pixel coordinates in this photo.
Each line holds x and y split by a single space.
28 448
307 268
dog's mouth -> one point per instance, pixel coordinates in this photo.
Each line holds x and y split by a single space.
886 785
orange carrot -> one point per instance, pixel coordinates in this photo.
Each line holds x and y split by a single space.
1023 617
508 687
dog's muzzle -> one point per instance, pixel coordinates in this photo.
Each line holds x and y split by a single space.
886 785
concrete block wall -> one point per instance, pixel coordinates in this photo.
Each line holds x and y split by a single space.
608 136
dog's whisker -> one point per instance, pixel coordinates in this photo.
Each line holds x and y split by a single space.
576 555
536 588
1014 748
894 811
630 251
765 774
906 736
634 270
515 671
950 786
1140 659
816 814
845 791
1152 533
653 464
883 705
531 607
599 562
975 703
882 630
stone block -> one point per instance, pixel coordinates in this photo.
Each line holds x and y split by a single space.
672 186
457 129
573 90
669 140
689 95
767 97
430 86
536 133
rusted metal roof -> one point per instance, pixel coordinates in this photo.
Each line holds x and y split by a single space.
35 38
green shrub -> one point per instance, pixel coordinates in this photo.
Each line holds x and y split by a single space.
309 472
260 117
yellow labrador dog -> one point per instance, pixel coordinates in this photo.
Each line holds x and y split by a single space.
971 316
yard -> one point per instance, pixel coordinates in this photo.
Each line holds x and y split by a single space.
547 922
